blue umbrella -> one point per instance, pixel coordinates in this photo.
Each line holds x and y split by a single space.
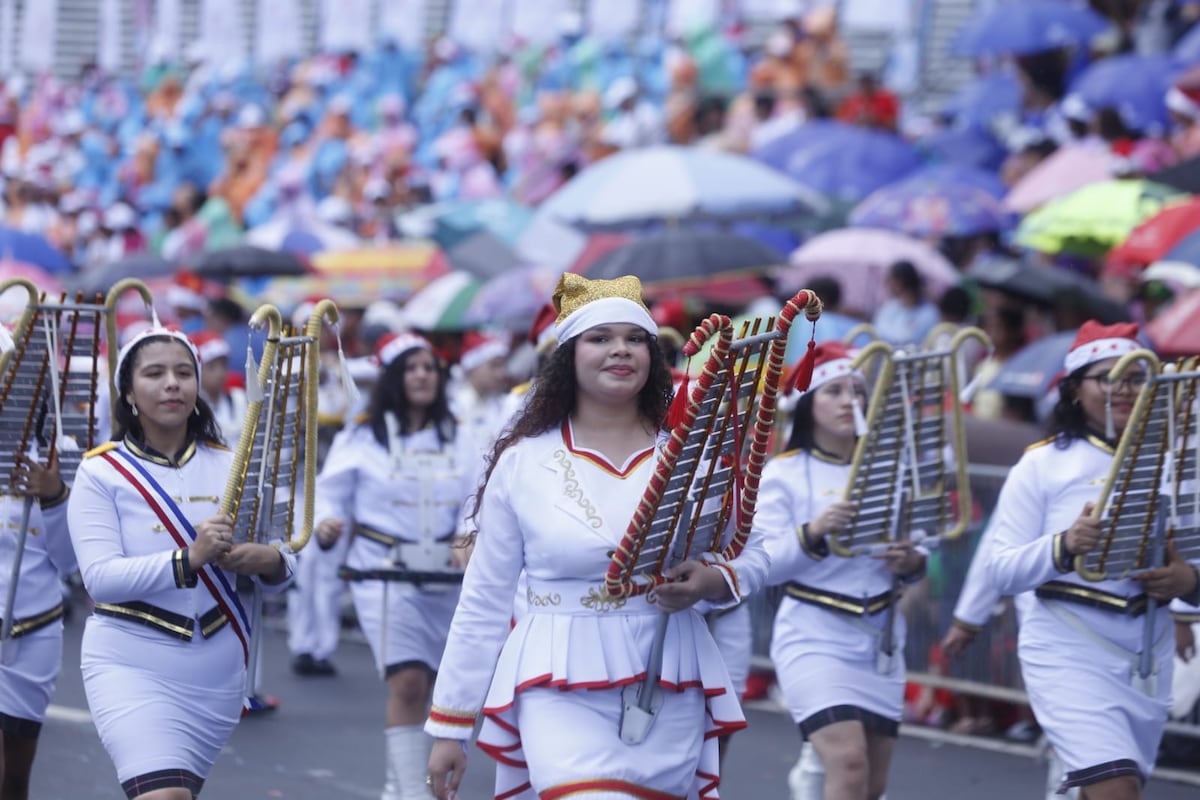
961 175
984 99
1028 27
1187 50
1186 250
653 184
1033 369
29 248
503 219
845 162
925 208
1136 86
966 146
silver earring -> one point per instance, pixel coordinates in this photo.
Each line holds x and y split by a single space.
196 410
135 413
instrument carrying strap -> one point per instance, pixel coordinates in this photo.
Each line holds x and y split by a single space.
1058 609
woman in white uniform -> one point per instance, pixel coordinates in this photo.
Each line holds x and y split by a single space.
1079 641
397 480
824 644
31 659
561 489
164 654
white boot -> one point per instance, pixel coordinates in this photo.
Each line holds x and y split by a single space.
806 780
408 749
391 784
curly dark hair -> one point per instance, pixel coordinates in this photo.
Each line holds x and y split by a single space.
201 425
388 395
553 397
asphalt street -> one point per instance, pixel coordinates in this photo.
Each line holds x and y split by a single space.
325 742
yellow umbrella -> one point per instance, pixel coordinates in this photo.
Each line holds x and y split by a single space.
1094 219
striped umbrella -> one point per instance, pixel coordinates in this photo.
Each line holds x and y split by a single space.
403 268
443 304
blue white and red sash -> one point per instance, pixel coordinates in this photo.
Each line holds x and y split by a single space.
181 530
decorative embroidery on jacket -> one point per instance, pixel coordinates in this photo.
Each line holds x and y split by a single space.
542 600
571 489
601 603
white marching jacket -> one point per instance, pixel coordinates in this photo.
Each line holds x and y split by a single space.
48 557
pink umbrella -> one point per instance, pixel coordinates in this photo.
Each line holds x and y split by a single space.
1176 329
1071 167
859 258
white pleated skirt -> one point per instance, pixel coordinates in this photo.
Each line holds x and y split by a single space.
160 703
402 623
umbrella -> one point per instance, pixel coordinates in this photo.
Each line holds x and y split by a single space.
998 441
1176 329
138 265
842 161
512 299
1154 238
11 269
1048 286
1028 27
501 218
719 266
1184 176
598 244
651 184
928 208
1092 220
30 248
482 254
244 261
962 175
311 237
409 264
859 258
968 146
979 102
1136 86
1032 370
443 304
348 291
1071 167
1174 273
1186 52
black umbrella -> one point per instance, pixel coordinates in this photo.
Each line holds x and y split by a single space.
687 259
1185 175
245 261
138 265
1048 286
483 255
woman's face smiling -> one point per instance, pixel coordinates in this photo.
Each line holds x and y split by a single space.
612 362
164 385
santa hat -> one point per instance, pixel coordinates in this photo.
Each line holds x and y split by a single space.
210 346
187 292
541 332
1096 342
583 304
393 345
479 348
832 360
131 328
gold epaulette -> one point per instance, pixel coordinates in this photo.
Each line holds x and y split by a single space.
331 420
521 389
101 449
1042 443
217 446
362 418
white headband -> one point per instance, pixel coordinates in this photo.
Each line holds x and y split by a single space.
1180 103
605 311
831 371
154 332
1098 350
398 345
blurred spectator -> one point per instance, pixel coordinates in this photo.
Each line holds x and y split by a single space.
833 324
907 316
871 105
1005 326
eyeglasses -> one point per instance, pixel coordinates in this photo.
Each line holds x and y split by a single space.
1135 381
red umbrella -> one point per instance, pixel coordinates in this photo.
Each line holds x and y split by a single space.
1151 240
1176 331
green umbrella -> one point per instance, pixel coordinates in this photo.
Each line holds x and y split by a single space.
443 304
1092 220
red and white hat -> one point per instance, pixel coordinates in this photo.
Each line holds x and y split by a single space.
1184 101
541 332
479 348
187 292
393 345
1096 342
210 346
833 361
154 332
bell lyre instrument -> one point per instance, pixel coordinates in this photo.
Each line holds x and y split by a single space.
908 474
700 500
276 454
1151 496
48 397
